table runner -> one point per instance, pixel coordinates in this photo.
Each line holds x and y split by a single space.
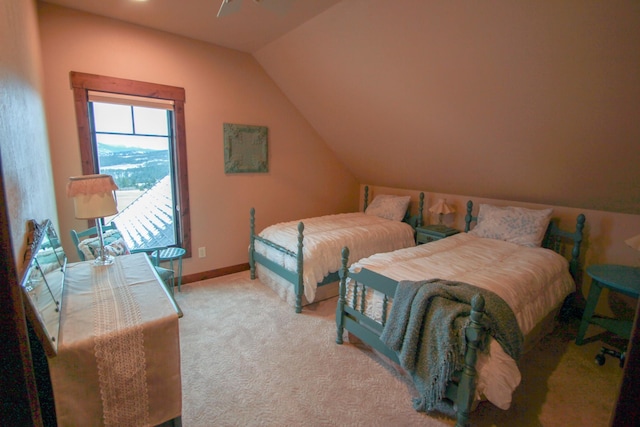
119 349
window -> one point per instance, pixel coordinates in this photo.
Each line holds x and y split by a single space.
134 131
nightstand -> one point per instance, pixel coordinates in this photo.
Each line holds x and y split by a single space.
431 233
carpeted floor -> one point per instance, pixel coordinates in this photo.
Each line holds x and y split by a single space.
249 360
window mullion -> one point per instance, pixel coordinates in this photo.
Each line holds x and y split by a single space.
133 120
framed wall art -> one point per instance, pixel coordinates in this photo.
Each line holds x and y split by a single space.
245 148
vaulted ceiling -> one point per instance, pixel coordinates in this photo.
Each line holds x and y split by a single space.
530 101
251 25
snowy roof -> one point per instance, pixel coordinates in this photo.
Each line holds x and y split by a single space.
147 221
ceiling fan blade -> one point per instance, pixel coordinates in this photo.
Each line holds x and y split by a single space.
228 7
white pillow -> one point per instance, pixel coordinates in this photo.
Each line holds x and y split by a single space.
389 207
516 225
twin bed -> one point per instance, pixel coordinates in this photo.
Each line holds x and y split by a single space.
513 256
300 260
505 255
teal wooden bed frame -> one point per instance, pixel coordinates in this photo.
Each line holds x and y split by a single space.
296 277
461 391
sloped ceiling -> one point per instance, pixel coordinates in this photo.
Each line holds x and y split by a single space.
529 101
254 24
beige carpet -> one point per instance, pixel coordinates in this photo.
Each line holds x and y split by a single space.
249 360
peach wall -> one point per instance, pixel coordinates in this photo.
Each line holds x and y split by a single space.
26 166
221 85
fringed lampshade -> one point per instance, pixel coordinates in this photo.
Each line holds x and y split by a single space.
94 198
441 208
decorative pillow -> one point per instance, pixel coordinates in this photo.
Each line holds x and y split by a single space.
389 207
114 245
516 225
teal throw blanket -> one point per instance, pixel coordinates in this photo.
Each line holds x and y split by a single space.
426 329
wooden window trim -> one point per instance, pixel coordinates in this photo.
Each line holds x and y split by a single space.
82 83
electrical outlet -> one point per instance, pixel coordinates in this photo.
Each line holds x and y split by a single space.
202 252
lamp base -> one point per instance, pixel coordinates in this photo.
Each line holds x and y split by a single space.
103 257
102 261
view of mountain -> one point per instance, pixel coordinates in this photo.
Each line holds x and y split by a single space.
133 168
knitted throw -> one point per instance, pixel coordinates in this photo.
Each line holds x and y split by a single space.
426 328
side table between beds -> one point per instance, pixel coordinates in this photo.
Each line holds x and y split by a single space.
431 233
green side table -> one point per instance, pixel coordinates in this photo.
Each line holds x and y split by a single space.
433 232
617 278
171 254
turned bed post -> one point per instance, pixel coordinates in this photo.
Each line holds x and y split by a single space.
468 217
420 208
474 334
252 239
366 197
574 265
344 271
300 259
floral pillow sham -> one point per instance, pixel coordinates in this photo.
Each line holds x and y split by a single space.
389 207
522 226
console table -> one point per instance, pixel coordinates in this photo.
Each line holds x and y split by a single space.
118 359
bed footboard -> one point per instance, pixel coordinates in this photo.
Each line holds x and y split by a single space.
295 277
353 319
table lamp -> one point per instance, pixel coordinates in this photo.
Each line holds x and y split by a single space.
94 198
441 208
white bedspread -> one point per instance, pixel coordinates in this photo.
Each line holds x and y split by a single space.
533 281
324 238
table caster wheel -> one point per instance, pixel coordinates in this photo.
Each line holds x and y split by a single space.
600 359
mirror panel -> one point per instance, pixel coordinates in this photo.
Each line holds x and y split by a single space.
43 283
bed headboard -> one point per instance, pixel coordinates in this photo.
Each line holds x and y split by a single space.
413 220
366 198
555 239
